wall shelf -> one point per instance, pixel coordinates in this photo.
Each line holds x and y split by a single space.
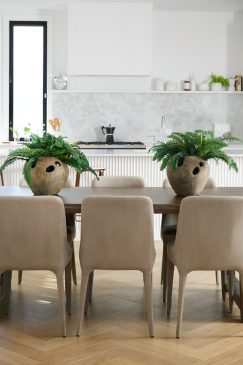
145 92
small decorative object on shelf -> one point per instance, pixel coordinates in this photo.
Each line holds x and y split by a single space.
193 82
46 159
232 84
60 82
187 85
170 85
218 83
159 84
238 83
203 86
185 156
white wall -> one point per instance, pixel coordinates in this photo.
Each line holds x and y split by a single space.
235 43
109 38
190 42
183 43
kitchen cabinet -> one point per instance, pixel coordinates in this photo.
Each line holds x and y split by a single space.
109 38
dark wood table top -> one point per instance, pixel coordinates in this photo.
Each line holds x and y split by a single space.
164 199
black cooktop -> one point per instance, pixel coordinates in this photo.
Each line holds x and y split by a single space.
116 143
119 144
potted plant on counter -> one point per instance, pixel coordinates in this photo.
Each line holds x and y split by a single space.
46 159
218 83
185 156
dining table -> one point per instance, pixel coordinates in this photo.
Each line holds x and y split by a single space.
164 200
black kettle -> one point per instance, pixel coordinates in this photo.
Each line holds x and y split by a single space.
109 133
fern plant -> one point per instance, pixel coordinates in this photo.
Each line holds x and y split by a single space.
221 79
199 143
48 146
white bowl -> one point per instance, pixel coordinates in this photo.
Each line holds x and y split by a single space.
203 86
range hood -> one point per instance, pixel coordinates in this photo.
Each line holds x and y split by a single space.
114 145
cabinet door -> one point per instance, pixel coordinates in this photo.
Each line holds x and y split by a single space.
109 39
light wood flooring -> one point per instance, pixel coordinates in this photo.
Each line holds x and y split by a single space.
115 332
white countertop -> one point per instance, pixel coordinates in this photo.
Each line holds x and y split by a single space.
5 148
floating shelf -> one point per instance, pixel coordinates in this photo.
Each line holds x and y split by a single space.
145 92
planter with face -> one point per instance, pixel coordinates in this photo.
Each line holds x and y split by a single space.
190 176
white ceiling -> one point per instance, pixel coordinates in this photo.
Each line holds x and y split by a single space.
170 5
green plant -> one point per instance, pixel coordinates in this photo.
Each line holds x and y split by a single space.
199 143
221 79
48 146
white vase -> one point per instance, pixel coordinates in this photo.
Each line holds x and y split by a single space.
216 86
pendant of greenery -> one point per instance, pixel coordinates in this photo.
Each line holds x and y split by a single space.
199 143
48 146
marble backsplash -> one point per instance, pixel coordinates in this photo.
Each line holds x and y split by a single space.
137 116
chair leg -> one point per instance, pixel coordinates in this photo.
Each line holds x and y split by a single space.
6 279
231 289
147 278
182 283
83 291
216 277
241 296
88 297
165 264
170 277
68 287
223 284
19 277
73 265
90 285
61 298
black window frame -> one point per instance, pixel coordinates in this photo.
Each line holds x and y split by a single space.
31 23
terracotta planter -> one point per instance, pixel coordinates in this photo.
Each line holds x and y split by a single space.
49 175
189 178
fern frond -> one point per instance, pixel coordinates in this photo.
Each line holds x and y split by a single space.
200 143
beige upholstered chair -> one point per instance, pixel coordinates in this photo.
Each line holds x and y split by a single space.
168 233
209 237
117 234
71 233
33 237
118 182
112 182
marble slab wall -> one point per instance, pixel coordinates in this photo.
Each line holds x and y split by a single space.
137 116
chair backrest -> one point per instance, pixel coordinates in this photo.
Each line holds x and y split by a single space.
33 233
209 234
118 182
117 233
171 219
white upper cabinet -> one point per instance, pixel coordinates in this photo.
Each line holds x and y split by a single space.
109 38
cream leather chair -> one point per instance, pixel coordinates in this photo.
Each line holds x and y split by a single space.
71 233
33 237
168 233
117 234
118 182
209 237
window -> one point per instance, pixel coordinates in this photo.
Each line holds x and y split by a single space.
27 77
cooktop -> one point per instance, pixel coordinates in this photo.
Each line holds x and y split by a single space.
118 145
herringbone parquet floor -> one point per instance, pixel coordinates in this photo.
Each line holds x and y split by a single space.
115 331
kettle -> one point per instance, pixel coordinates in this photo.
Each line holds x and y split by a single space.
109 133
